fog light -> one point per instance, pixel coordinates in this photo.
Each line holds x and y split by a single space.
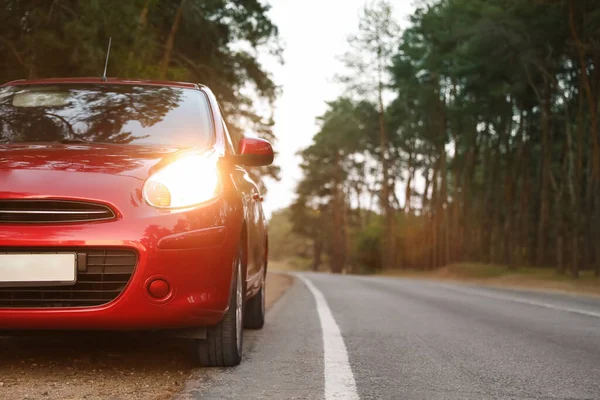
159 289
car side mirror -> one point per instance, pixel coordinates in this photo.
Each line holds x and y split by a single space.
253 152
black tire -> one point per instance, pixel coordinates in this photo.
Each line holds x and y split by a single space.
254 317
221 348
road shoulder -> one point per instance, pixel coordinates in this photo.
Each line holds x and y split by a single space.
544 282
277 285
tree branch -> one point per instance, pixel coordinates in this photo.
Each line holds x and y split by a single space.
15 52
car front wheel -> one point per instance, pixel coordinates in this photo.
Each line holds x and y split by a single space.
223 344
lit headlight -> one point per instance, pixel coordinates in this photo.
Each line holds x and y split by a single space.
186 182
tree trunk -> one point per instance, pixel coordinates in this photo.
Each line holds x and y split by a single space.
317 253
441 211
442 206
492 204
425 196
592 102
511 181
388 239
408 192
435 218
455 243
487 206
560 261
139 30
500 244
467 210
171 41
524 254
594 161
544 209
338 261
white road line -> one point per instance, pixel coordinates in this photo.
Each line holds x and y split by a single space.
339 380
521 300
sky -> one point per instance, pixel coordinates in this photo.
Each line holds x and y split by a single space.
314 34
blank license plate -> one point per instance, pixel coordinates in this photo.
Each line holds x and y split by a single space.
38 269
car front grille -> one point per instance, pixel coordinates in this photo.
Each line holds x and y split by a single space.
52 211
102 275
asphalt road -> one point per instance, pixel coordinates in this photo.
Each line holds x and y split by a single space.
409 339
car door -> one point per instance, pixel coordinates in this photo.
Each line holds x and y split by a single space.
254 232
251 198
262 234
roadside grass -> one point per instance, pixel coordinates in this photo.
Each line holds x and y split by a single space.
500 275
290 264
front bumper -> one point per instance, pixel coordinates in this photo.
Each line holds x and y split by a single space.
192 250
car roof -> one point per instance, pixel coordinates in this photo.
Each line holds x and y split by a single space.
97 80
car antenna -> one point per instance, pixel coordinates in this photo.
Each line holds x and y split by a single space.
107 57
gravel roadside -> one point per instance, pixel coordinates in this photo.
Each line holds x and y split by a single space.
100 365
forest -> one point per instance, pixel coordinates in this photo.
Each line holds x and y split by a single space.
469 136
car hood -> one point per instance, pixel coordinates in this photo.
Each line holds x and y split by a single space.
113 159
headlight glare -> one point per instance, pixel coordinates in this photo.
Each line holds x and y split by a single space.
186 182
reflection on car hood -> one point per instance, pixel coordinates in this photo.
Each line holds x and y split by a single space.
112 159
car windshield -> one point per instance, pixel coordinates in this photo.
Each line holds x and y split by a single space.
119 114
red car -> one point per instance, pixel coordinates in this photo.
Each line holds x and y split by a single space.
126 205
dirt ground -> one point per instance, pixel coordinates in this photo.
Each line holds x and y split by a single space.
100 365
